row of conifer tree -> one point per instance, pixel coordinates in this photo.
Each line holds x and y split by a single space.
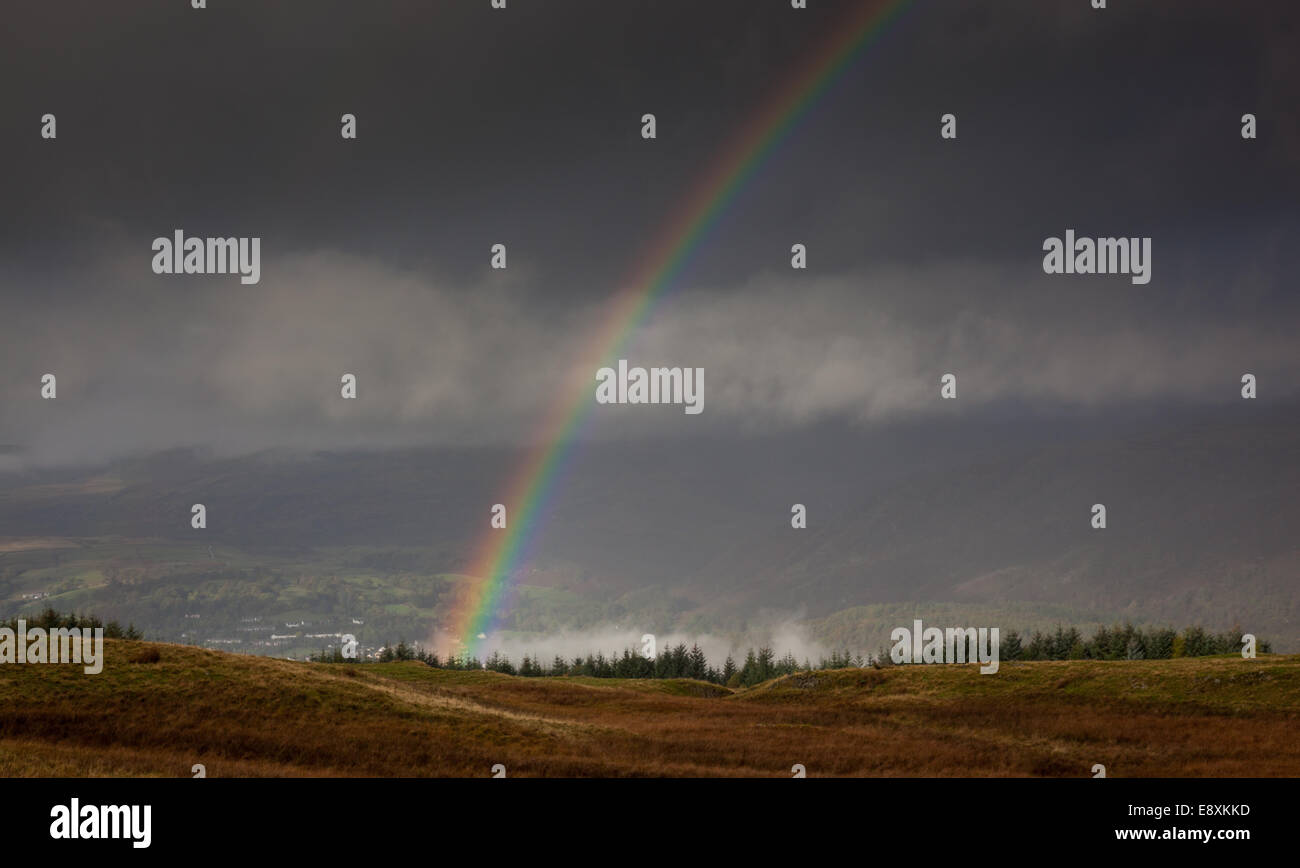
1107 643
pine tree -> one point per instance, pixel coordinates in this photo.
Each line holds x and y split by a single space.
749 672
697 665
680 661
728 669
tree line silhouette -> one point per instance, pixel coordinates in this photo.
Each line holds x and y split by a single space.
1124 642
50 619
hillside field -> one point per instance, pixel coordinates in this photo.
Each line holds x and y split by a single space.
255 716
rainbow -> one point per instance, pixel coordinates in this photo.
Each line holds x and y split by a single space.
500 551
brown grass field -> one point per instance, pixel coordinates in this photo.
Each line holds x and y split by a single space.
255 716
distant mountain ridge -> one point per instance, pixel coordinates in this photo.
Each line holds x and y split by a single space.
1202 514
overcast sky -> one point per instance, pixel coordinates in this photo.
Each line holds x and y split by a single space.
522 127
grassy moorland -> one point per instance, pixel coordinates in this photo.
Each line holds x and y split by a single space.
157 709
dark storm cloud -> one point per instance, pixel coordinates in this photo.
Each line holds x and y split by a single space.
479 125
522 127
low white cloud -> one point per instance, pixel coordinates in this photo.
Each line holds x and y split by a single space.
236 369
782 636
